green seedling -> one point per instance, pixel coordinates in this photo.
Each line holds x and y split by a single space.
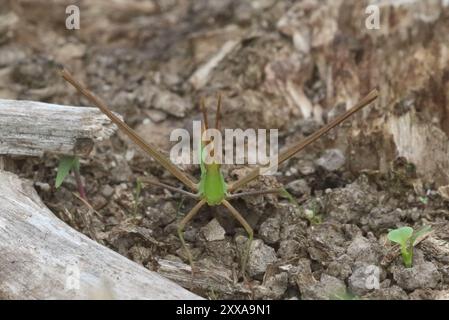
312 216
343 295
66 165
136 196
406 238
424 200
309 214
212 189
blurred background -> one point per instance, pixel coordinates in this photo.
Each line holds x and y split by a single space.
280 64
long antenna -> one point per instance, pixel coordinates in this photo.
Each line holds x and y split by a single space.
292 150
218 113
148 148
204 111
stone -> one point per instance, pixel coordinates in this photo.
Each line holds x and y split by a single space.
331 160
325 242
190 233
305 167
364 279
340 267
423 275
98 202
303 275
443 191
328 288
156 116
120 170
260 256
274 287
382 218
269 230
222 251
213 231
107 191
299 187
353 202
391 293
171 103
161 217
289 248
363 250
43 186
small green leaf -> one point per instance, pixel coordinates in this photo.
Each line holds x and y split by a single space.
178 209
65 165
284 193
138 189
400 235
421 232
76 164
424 200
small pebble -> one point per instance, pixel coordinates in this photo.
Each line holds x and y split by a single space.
331 160
213 231
107 191
299 187
269 230
43 186
424 275
260 256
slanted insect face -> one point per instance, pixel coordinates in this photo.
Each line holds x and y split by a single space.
212 186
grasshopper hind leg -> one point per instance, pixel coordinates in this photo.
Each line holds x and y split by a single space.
181 227
247 228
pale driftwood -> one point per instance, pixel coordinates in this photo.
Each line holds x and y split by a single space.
31 128
211 278
41 257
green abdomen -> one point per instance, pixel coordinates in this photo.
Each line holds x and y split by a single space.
212 185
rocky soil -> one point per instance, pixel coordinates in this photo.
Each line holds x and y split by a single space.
291 65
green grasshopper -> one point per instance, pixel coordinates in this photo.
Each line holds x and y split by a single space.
212 189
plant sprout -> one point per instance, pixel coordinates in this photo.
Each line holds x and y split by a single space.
424 200
406 237
136 196
67 164
309 214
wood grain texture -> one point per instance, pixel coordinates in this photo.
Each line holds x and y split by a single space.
30 128
209 278
41 257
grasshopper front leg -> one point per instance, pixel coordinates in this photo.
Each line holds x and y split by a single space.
168 187
256 193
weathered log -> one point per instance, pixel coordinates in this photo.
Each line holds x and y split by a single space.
41 257
208 278
30 128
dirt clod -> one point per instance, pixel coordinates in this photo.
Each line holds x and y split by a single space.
260 256
363 250
328 288
422 275
352 202
331 160
269 230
